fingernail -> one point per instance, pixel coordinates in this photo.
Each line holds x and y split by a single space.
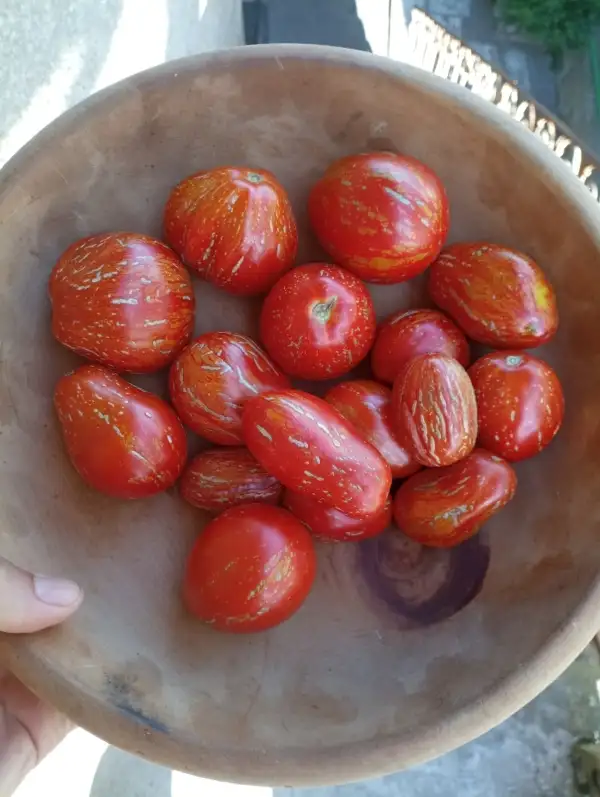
56 591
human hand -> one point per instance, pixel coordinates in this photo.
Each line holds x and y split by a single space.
29 728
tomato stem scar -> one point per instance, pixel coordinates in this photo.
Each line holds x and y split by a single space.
322 310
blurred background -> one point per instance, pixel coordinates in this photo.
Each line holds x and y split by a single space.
540 61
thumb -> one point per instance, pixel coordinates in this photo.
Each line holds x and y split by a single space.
31 602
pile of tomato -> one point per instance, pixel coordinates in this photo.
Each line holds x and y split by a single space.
288 467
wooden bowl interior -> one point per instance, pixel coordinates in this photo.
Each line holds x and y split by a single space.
379 669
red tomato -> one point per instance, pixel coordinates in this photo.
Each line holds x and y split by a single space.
234 227
122 299
520 403
224 477
318 322
330 525
313 450
381 215
250 569
408 334
368 407
434 410
446 506
121 440
213 377
497 295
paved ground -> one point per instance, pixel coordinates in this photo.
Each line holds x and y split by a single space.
54 53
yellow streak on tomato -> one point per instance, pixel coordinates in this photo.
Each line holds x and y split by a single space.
542 296
380 263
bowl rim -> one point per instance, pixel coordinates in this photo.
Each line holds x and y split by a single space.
342 762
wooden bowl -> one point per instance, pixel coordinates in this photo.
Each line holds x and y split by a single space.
380 669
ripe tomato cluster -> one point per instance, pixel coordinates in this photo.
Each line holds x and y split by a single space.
288 467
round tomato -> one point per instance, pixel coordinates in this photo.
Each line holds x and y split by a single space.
368 407
330 525
224 477
122 440
408 334
213 377
434 410
318 322
382 216
234 227
520 403
446 506
313 450
122 299
497 295
250 569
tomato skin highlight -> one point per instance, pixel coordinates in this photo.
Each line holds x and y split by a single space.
318 322
212 379
234 227
434 410
498 296
367 405
408 334
330 525
122 440
123 300
383 216
520 404
250 569
218 479
312 449
444 507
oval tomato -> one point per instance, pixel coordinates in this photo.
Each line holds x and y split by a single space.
497 295
313 450
368 407
234 227
213 377
221 478
122 299
408 334
446 506
250 569
330 525
318 322
434 410
381 215
121 440
520 403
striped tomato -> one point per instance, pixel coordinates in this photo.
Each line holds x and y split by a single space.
123 300
212 379
313 450
121 439
434 410
446 506
223 477
381 215
497 295
234 227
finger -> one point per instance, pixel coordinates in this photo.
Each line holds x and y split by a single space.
31 602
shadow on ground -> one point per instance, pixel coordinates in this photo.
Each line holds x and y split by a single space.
309 22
